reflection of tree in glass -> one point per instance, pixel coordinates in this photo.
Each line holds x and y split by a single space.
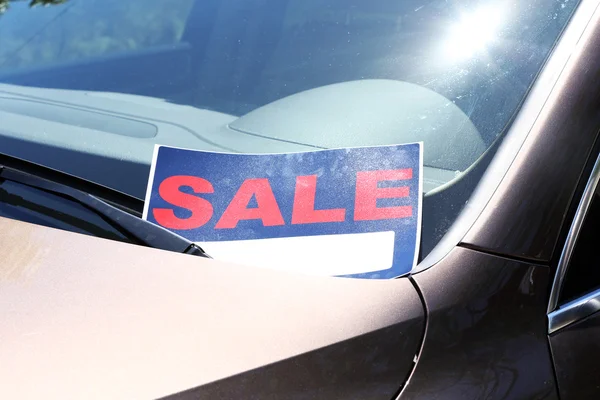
32 3
84 30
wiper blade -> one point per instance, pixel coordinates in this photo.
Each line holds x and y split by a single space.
140 230
123 201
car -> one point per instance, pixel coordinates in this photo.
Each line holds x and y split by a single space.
97 301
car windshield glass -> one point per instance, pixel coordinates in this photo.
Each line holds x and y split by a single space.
89 86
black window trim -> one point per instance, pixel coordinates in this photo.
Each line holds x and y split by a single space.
564 315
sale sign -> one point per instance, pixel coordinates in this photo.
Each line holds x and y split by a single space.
352 212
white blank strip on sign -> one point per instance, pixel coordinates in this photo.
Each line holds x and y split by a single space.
326 255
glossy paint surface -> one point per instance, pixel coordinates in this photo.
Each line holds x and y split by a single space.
356 369
486 331
92 318
575 350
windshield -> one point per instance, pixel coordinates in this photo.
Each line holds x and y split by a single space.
89 86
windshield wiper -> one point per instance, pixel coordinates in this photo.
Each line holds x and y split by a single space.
143 232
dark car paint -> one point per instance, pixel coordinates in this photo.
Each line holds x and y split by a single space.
486 330
485 339
366 367
575 350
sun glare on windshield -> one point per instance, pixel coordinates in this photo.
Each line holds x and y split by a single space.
474 32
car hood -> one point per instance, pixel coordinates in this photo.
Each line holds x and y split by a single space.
88 318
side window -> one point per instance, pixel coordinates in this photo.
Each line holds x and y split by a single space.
77 30
583 274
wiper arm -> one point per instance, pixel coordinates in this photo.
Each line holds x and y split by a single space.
142 231
123 201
